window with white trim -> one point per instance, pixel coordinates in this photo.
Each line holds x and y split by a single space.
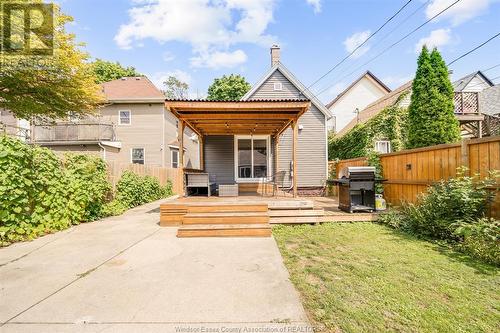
278 86
124 117
175 159
252 157
383 146
137 155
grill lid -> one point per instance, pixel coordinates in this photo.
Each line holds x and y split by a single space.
366 172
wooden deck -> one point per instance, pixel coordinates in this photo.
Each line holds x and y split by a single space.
250 215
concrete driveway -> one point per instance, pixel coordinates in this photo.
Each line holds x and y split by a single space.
126 274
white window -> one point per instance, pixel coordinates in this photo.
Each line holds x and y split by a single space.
278 86
383 146
175 159
124 117
251 157
137 155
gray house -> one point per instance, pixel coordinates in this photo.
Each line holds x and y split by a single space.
247 142
132 127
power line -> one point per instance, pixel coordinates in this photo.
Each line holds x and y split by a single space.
490 68
394 44
374 47
474 49
360 45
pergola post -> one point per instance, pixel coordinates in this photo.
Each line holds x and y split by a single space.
201 141
294 156
180 138
276 158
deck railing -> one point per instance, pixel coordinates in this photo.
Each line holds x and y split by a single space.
69 131
15 131
466 103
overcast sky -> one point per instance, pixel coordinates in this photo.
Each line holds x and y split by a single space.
199 40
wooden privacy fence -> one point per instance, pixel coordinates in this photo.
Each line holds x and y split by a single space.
409 172
115 171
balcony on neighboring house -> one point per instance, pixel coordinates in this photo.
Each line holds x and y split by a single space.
72 133
468 113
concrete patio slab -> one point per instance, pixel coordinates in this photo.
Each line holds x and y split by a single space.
126 274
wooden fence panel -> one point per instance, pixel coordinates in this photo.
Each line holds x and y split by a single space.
115 171
410 172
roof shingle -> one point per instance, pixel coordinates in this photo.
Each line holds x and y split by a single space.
131 88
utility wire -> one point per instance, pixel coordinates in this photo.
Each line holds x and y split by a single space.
394 44
360 45
374 47
490 68
474 49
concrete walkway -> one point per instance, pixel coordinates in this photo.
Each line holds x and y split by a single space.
126 274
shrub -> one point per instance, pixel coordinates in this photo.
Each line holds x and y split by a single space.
133 190
39 193
113 208
454 211
481 239
461 199
88 186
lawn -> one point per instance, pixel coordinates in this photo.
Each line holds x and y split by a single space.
365 277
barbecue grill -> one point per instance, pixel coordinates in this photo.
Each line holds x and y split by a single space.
356 189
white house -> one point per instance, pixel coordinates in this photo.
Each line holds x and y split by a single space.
362 92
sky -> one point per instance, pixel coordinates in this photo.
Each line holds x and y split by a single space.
199 40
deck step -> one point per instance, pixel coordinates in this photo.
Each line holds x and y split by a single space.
296 220
296 212
226 218
225 230
291 204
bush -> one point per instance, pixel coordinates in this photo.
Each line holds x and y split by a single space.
40 193
113 208
454 211
459 200
481 239
133 190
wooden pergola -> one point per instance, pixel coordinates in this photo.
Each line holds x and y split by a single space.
257 117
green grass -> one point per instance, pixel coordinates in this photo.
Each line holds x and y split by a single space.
365 277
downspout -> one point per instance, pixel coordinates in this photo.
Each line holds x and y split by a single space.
103 150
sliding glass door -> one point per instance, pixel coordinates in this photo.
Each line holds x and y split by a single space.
251 157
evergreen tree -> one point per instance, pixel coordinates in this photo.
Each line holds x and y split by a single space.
430 115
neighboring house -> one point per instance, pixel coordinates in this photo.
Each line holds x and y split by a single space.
347 105
468 107
132 127
248 141
490 109
13 126
376 107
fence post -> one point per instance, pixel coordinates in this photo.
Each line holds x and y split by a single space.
465 155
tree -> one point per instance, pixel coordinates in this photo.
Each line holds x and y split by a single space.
49 85
106 71
228 88
430 115
175 88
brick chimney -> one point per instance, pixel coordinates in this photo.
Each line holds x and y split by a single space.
275 54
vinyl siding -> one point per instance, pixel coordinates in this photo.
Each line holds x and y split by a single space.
311 150
219 157
146 131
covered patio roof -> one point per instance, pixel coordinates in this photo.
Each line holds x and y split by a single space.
270 117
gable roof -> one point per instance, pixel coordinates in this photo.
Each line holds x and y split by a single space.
376 107
132 89
462 83
300 87
368 74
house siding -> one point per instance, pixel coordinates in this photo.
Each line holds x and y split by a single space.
219 157
311 150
